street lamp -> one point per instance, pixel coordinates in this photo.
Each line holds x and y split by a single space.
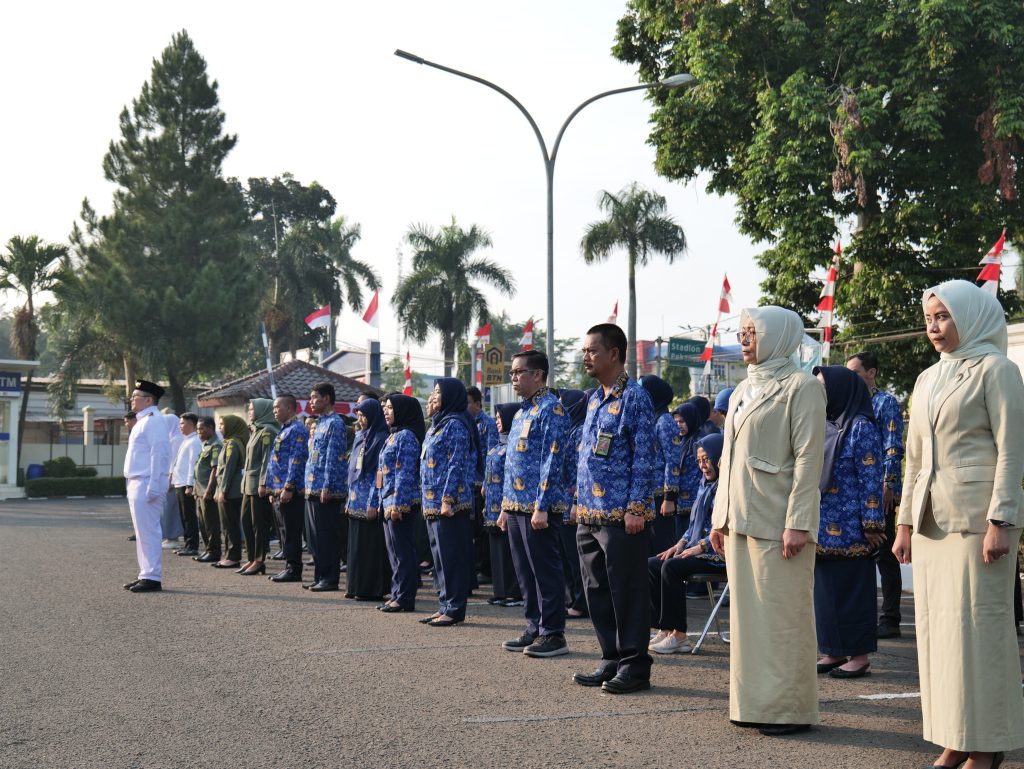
673 81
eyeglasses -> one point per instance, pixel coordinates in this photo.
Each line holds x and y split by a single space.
743 336
518 372
704 461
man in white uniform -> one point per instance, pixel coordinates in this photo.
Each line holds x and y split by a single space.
182 476
146 470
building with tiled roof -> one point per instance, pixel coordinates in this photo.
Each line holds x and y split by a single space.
295 378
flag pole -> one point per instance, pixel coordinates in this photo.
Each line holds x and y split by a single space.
270 367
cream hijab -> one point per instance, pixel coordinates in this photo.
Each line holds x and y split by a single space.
779 333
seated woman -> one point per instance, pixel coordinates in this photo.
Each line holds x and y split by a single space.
670 570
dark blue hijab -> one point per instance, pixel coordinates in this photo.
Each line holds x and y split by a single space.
691 416
847 399
454 401
507 412
703 407
369 441
661 393
703 504
408 415
575 403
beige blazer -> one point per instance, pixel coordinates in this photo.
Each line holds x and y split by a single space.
969 461
771 460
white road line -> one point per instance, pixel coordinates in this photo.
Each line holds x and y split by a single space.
573 716
495 644
895 696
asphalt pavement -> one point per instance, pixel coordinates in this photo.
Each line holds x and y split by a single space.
221 670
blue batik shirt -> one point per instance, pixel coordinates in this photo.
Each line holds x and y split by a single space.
327 464
570 467
535 454
494 483
397 485
852 505
690 475
670 444
488 429
699 531
889 418
360 491
622 481
288 458
447 467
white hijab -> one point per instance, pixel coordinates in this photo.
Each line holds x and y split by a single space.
779 333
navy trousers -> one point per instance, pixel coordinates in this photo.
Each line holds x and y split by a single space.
451 542
614 566
574 596
538 561
400 538
323 526
291 532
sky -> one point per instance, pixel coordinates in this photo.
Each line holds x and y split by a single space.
315 89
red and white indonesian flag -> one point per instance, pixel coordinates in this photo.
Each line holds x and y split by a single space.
407 390
483 334
614 317
723 303
827 302
319 318
526 342
992 262
371 316
723 307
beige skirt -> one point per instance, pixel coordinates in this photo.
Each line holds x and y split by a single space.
967 651
772 675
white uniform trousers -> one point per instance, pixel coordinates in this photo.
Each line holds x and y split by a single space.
148 532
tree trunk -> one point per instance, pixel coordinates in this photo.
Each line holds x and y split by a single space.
21 420
177 389
631 333
129 379
448 351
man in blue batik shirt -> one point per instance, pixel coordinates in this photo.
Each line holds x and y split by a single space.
533 503
487 428
326 488
615 503
286 483
889 418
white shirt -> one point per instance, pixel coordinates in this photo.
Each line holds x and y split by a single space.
183 472
149 453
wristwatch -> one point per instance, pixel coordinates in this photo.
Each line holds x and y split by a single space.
1000 524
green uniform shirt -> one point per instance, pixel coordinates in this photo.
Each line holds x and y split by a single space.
206 466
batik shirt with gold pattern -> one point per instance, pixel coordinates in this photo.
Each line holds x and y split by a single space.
327 463
494 483
447 468
852 505
889 418
667 459
288 458
487 428
617 472
535 456
397 484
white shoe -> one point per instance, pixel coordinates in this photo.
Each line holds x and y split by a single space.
671 645
658 637
169 544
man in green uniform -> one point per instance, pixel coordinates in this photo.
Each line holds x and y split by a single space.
204 484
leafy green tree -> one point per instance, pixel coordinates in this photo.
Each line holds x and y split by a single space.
900 120
28 267
637 221
439 294
167 266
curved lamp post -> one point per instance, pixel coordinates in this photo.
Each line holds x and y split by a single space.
673 81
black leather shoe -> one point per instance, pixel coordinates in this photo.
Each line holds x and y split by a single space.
782 730
286 576
595 678
388 609
858 673
186 551
145 586
322 587
131 538
130 585
278 556
206 557
623 684
824 667
885 630
428 619
219 565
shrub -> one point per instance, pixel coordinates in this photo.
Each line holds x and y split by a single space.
74 487
61 467
85 472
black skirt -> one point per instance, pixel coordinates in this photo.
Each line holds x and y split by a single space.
368 572
845 602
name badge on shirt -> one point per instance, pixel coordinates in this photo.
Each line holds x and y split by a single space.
314 456
603 447
359 461
380 479
526 428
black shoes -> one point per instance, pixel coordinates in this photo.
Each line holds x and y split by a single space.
130 585
885 630
131 538
278 556
186 551
253 570
623 684
145 586
518 644
783 730
321 587
595 678
858 673
444 621
207 557
229 565
390 609
824 667
286 576
547 646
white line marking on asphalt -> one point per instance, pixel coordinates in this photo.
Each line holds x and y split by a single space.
572 716
896 696
407 648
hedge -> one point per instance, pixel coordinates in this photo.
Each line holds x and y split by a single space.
74 487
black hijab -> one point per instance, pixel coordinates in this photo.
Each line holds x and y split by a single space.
691 416
507 412
661 393
575 403
370 440
847 399
408 415
454 401
703 407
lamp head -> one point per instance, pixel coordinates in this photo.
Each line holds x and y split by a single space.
410 56
678 81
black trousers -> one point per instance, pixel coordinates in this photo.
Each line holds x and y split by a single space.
575 598
209 525
291 514
231 528
668 580
323 524
892 578
481 542
503 572
614 566
663 529
400 539
538 562
189 519
257 519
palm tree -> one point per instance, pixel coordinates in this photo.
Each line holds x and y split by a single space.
29 266
439 295
637 222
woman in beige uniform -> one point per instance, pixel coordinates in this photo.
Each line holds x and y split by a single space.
962 500
765 522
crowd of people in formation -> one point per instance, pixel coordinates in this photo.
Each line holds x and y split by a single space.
605 504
